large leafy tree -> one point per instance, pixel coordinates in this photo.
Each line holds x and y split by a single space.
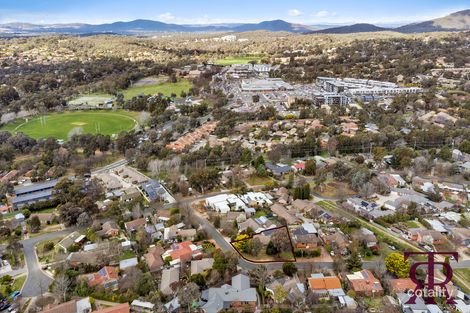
396 264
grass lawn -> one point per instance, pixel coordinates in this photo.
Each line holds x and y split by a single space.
258 181
58 125
46 257
164 88
333 189
464 274
17 284
238 60
93 99
412 224
127 255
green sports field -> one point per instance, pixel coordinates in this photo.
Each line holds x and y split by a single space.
238 60
59 125
164 88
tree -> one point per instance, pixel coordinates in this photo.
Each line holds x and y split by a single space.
61 286
465 145
310 167
35 224
445 153
280 294
259 275
83 220
396 264
367 190
354 262
188 295
289 269
280 241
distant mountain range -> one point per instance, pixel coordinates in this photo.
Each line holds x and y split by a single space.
147 26
355 28
457 21
454 22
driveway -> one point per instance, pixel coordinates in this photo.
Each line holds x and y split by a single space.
38 281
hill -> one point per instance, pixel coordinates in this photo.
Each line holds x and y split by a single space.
274 26
457 21
148 26
356 28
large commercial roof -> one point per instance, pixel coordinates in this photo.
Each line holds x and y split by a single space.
31 196
48 184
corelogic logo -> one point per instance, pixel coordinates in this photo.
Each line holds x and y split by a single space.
430 288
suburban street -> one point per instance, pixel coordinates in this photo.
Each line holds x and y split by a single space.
38 281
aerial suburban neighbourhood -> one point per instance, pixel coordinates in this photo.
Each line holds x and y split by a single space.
201 164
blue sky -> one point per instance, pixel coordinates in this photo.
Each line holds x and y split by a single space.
222 11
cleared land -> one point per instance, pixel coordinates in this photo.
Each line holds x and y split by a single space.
238 60
59 125
152 89
94 99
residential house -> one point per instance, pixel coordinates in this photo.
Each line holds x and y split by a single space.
365 284
425 236
200 266
169 276
68 241
134 225
461 236
119 308
107 277
325 286
401 285
138 306
224 203
278 169
153 258
128 263
282 212
418 307
392 180
330 286
303 206
109 229
183 251
237 296
73 306
368 238
338 242
295 289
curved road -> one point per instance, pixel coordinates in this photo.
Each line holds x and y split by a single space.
38 281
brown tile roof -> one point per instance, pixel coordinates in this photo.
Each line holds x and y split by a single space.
324 283
154 258
401 285
66 307
120 308
133 225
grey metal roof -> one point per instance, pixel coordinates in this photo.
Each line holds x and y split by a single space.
48 184
31 197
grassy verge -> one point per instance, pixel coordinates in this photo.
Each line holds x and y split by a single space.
464 275
17 284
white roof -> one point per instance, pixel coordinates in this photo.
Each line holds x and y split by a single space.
128 263
436 225
310 228
143 304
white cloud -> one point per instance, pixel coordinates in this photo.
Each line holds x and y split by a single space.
294 12
166 17
324 13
